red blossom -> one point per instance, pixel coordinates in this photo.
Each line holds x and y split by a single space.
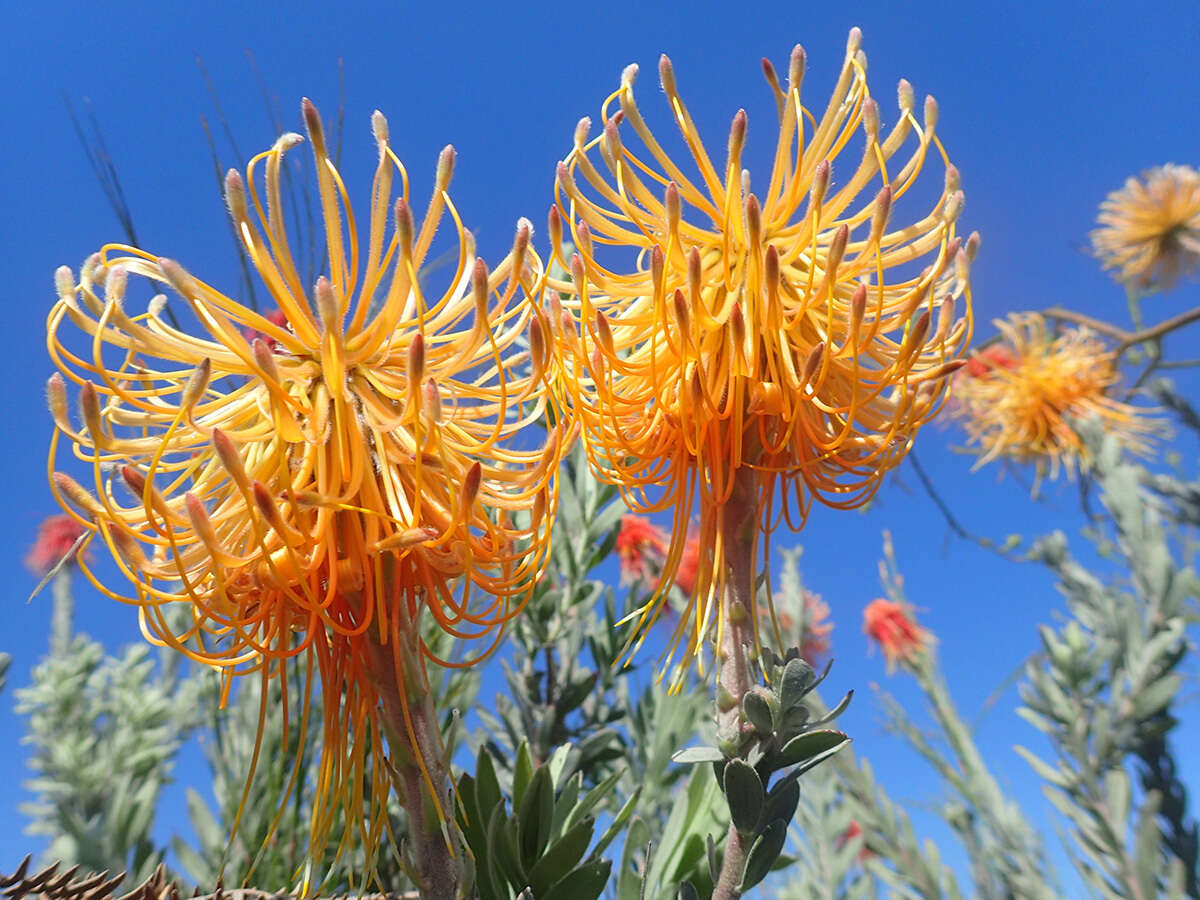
56 536
853 831
640 545
890 625
980 364
275 317
689 565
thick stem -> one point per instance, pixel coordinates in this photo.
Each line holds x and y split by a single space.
739 521
414 740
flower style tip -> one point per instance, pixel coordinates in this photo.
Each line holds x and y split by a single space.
891 626
316 479
1017 399
1149 234
785 323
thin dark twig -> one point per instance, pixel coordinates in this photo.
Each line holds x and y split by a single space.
243 262
926 482
212 93
103 167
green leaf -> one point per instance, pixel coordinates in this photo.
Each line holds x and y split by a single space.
592 798
574 694
744 794
835 712
502 848
536 815
809 745
585 883
796 681
758 712
522 773
782 801
1155 697
561 857
617 823
693 755
763 853
630 884
487 785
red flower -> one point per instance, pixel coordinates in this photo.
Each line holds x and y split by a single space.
56 538
689 565
890 626
852 832
639 545
275 317
980 364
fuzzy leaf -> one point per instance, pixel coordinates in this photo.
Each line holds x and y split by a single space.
744 794
763 853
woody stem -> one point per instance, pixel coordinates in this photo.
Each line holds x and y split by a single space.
738 523
415 739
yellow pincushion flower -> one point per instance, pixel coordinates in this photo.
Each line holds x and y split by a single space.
717 324
1150 229
319 488
1018 398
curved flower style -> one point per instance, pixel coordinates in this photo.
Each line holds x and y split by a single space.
892 627
1150 229
1017 399
318 487
715 324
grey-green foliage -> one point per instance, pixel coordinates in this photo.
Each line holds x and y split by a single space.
104 732
535 838
1103 691
561 676
5 662
1004 850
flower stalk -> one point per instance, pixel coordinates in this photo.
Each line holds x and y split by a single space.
739 524
420 770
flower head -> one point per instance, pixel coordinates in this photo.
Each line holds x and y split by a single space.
641 547
718 321
56 540
1018 401
317 489
891 626
1149 230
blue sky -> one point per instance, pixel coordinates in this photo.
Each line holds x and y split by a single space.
1045 108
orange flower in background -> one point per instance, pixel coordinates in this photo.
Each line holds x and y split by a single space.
1032 385
56 539
719 322
361 463
1149 230
641 548
891 626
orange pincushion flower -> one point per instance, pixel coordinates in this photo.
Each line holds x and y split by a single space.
1150 229
1020 408
317 489
781 326
891 626
56 539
